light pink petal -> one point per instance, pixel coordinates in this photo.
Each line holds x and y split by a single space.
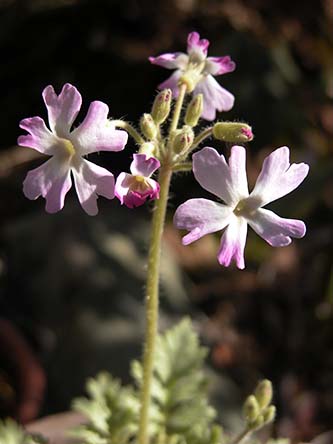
92 181
214 175
170 60
219 65
194 43
201 217
40 137
233 243
274 229
63 109
214 97
97 133
172 83
123 183
52 181
277 177
141 166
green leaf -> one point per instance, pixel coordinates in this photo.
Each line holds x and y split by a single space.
111 411
179 389
12 433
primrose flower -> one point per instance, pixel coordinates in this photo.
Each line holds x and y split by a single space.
133 189
52 180
229 183
197 71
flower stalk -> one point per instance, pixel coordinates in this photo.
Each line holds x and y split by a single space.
153 274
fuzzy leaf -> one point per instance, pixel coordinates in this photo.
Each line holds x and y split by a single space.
111 411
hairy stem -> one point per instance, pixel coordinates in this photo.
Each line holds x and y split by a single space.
152 294
178 108
239 438
130 129
201 137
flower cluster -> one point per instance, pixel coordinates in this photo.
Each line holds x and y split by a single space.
194 73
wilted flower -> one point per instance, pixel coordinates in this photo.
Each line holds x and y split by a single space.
52 179
229 182
197 70
133 189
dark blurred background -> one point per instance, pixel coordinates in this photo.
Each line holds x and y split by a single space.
71 286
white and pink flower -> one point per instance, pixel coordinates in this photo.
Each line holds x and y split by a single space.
229 183
215 98
133 189
53 179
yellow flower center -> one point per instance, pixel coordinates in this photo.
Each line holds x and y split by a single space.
67 147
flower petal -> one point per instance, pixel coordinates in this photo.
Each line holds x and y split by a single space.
173 60
40 137
132 194
172 83
277 177
141 166
97 133
219 65
214 97
233 243
214 175
52 181
92 181
274 229
63 109
195 44
201 217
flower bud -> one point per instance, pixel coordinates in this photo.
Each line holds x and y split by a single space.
148 126
183 139
232 132
194 110
269 414
264 393
161 106
257 423
251 409
147 148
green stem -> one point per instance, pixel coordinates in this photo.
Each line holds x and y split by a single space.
178 108
152 300
201 137
239 438
130 129
185 166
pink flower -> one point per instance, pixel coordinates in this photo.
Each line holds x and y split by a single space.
133 189
52 179
202 68
229 183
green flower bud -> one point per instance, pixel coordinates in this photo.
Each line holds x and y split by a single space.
148 126
183 139
232 132
161 106
216 434
269 414
147 148
257 423
251 409
194 110
264 393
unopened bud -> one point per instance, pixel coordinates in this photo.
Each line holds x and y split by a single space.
161 106
183 139
194 110
148 149
148 126
251 409
232 132
269 414
257 423
264 393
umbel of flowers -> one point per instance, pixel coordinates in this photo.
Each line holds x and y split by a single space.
167 138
